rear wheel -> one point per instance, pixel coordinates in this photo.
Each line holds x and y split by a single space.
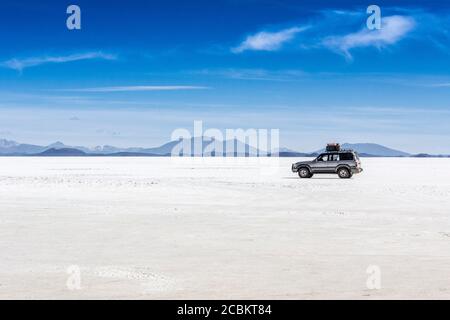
304 173
344 173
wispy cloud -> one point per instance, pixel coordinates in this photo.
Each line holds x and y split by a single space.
393 29
340 31
440 85
137 88
20 64
254 74
268 41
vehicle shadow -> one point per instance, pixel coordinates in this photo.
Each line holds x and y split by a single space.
313 178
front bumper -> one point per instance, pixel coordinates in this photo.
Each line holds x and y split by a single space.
294 168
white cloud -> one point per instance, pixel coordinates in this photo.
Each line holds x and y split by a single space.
267 41
20 64
255 74
441 85
138 88
393 29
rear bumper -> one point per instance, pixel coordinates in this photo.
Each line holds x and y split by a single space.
357 170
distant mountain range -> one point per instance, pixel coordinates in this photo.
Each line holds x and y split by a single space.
208 147
12 148
372 149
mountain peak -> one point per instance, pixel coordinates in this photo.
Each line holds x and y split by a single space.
7 143
372 149
64 152
57 144
375 149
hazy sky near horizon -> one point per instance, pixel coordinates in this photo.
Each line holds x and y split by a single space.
137 70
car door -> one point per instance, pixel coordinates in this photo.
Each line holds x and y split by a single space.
332 163
321 164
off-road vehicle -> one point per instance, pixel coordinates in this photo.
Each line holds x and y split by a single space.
344 163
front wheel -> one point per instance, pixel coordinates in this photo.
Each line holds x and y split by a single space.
344 173
304 173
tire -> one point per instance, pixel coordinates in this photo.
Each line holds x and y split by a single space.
304 173
344 173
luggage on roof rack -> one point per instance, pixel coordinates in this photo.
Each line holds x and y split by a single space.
333 147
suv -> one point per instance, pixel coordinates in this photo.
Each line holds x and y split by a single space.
344 163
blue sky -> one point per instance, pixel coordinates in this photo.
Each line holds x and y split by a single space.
137 70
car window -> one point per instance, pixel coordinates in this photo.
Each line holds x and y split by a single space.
323 157
333 157
346 156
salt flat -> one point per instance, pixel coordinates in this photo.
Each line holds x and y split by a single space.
156 228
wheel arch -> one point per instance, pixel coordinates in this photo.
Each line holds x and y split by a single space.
305 166
346 166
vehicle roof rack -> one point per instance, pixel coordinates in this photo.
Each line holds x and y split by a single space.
341 151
